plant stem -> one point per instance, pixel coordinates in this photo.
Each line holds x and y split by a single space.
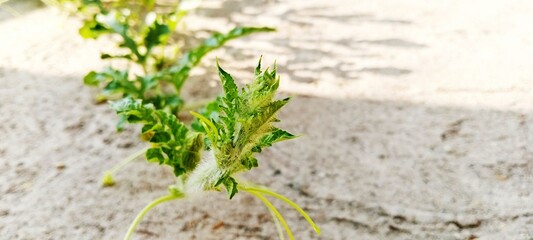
145 69
275 211
209 127
107 180
278 225
146 209
283 198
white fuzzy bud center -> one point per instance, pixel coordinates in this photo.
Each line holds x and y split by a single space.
205 175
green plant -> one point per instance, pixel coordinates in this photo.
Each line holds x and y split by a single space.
158 61
224 146
150 88
161 87
147 41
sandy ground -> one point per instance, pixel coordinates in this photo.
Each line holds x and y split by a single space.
416 118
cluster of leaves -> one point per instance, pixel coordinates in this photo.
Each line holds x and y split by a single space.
221 142
235 126
245 124
151 87
147 40
171 141
225 136
142 27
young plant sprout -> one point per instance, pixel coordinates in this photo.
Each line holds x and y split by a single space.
238 125
148 88
144 31
158 85
107 179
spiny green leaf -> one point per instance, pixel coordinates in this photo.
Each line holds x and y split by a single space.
274 136
194 147
265 114
160 137
92 29
134 109
228 84
249 162
113 82
91 79
258 68
231 186
154 155
245 124
122 121
172 143
155 35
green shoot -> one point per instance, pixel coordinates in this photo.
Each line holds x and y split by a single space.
107 179
146 209
145 32
225 144
161 87
207 124
279 228
276 213
288 201
146 35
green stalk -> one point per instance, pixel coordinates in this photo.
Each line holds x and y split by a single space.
145 69
148 208
278 225
276 213
283 198
208 125
107 179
